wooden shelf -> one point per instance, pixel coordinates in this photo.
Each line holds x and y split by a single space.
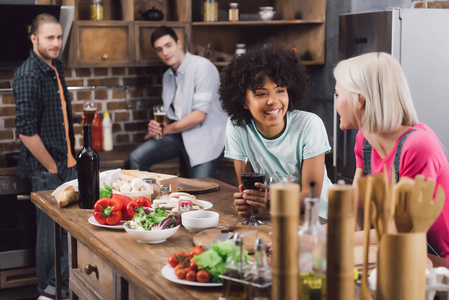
298 24
258 23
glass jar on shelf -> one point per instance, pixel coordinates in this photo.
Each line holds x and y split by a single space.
96 10
210 10
233 12
240 49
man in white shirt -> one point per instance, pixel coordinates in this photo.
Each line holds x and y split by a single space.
196 125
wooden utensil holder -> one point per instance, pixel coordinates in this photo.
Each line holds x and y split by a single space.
401 267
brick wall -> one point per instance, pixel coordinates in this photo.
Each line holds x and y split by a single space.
129 108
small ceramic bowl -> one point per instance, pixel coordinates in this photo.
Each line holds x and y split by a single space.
266 13
152 236
195 221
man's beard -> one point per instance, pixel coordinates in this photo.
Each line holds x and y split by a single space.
44 53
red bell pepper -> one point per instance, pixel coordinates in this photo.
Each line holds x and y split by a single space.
139 202
108 211
125 200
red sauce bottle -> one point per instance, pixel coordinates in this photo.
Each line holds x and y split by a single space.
97 133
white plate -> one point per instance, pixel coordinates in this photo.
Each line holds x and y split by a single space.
119 225
169 273
204 203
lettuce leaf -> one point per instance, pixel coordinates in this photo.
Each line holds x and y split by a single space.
214 260
106 192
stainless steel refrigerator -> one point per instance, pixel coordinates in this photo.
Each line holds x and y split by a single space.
419 39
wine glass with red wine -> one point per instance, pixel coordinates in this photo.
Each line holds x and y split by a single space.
252 171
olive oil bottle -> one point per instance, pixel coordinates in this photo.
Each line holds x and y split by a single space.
312 253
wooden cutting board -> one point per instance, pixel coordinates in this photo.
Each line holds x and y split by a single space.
196 186
205 237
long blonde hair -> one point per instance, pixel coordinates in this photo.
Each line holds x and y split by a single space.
380 79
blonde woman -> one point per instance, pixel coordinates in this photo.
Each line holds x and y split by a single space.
373 96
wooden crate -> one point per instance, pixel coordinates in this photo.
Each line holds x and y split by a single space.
162 179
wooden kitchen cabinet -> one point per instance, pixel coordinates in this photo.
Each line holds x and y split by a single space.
297 24
94 44
90 276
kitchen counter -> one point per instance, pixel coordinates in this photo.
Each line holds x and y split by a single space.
137 266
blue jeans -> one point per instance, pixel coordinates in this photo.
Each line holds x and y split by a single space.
45 261
153 151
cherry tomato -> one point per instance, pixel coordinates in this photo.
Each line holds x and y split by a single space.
191 276
197 250
203 276
187 270
180 273
173 260
179 266
193 265
181 254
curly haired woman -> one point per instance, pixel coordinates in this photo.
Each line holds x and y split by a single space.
262 91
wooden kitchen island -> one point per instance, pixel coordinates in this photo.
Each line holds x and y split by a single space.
127 269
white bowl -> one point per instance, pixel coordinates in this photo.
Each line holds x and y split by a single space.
152 236
195 221
266 15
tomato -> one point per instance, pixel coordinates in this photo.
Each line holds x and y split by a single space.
193 265
191 276
173 260
197 250
180 273
181 255
203 276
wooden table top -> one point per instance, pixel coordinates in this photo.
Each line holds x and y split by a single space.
137 262
142 263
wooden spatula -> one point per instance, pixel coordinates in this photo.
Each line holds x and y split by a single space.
426 210
365 185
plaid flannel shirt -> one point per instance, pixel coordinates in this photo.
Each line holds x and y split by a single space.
39 111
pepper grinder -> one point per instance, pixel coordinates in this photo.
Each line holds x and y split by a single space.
340 242
284 214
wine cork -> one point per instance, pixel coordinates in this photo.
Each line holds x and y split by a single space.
285 220
340 242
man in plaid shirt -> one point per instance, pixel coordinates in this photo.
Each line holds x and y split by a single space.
45 127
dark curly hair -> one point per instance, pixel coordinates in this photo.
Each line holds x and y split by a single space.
249 70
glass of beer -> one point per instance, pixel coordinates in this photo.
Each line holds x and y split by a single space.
89 110
159 116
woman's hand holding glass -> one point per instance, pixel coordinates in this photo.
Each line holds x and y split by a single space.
246 200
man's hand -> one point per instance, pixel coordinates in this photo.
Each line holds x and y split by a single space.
37 148
153 129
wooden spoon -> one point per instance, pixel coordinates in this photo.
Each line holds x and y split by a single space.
403 192
365 190
426 210
380 199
